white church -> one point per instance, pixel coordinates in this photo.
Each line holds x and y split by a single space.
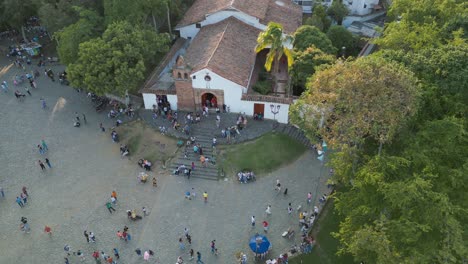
213 62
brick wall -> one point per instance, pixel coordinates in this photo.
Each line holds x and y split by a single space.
184 92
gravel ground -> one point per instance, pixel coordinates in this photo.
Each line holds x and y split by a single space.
71 196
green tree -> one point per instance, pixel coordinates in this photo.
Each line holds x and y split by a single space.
352 101
117 62
15 13
306 36
305 64
338 11
341 37
57 15
273 39
87 27
319 18
411 205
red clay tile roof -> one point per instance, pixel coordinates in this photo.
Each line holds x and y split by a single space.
282 11
226 48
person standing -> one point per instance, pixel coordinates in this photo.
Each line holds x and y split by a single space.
252 221
1 192
102 127
42 165
155 183
41 149
189 239
44 145
47 161
24 197
85 233
77 117
27 90
265 226
309 198
48 230
290 209
191 254
92 237
19 202
84 118
205 196
25 191
268 210
114 194
109 207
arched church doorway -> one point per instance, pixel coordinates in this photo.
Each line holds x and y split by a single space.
209 100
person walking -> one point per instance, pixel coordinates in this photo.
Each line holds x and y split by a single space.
116 253
191 254
145 213
278 186
27 90
189 239
84 118
77 117
47 161
44 145
109 207
42 165
290 209
85 233
114 194
155 183
102 127
252 220
19 202
1 192
205 196
181 244
213 246
309 198
43 103
199 258
268 210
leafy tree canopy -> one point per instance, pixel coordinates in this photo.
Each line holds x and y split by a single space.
341 37
306 36
351 101
15 13
305 64
338 11
87 27
116 62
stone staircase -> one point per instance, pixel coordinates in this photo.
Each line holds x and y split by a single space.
204 132
295 133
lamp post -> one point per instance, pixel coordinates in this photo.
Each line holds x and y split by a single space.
274 110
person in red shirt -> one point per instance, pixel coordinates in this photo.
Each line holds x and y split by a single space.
265 226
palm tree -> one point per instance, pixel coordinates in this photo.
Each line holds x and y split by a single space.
273 38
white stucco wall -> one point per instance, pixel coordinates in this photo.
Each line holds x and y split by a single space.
149 100
232 90
247 107
172 99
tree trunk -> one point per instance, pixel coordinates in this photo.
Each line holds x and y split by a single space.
24 35
154 22
169 19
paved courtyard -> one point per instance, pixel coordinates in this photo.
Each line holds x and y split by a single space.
71 196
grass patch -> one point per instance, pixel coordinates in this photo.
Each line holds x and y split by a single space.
263 155
145 143
326 247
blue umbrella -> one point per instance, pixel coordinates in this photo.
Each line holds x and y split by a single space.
259 244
